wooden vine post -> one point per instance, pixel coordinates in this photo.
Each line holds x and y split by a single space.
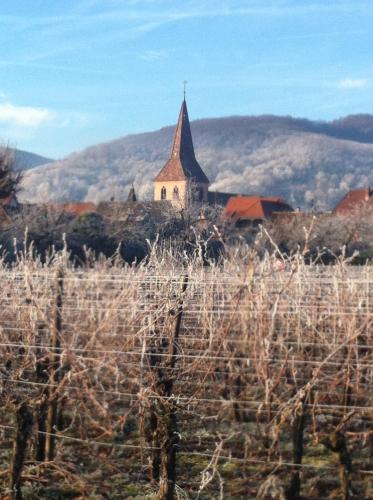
24 421
163 420
41 409
298 446
167 418
337 443
54 367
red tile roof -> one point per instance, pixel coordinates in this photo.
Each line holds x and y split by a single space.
4 202
182 164
353 199
255 207
79 208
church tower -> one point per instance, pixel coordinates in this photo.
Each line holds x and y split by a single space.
182 180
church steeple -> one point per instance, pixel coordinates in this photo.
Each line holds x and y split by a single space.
183 142
182 163
182 179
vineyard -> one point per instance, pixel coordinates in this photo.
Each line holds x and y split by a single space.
246 378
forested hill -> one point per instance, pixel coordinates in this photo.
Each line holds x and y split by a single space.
308 163
25 160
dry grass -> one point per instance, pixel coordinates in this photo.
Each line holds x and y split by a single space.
264 345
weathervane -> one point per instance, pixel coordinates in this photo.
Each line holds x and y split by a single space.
184 83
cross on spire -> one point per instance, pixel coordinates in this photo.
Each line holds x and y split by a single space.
184 83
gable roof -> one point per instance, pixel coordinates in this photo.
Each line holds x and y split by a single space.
353 199
255 207
74 208
182 164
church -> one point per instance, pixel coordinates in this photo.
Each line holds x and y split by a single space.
182 181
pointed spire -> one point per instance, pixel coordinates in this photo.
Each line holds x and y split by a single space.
132 198
182 163
183 142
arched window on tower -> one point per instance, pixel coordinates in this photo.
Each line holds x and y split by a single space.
163 193
175 193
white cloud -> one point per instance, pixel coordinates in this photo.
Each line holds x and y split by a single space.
353 83
24 116
153 55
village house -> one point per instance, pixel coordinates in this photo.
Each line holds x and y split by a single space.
252 210
357 198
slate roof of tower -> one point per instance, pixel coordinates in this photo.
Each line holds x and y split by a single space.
182 163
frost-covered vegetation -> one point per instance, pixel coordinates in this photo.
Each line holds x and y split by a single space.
244 378
129 230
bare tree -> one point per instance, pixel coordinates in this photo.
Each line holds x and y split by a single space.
324 233
9 178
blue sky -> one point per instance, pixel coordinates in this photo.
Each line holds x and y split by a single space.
79 72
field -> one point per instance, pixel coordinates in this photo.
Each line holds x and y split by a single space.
247 378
